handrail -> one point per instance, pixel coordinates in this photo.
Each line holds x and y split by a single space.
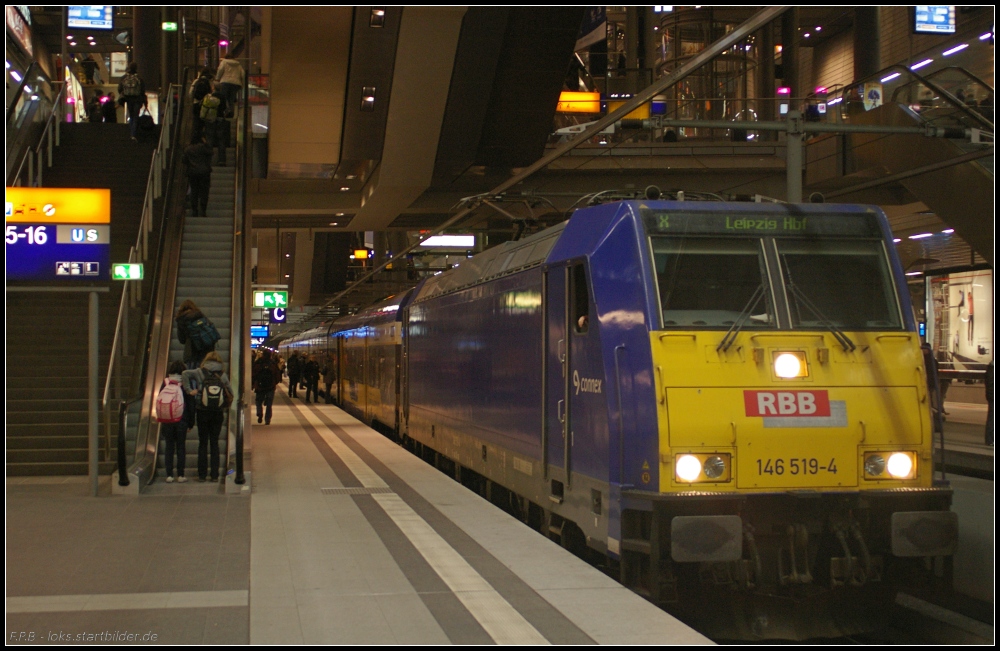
957 103
132 289
153 341
964 72
238 354
52 123
20 91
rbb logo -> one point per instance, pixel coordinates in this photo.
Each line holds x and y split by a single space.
787 403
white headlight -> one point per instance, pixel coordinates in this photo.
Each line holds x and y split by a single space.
787 365
899 465
688 467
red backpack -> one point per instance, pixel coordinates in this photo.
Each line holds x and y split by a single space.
170 402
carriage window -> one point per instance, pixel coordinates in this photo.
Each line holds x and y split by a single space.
710 282
845 283
581 300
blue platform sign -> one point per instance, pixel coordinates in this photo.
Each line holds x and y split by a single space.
58 234
277 315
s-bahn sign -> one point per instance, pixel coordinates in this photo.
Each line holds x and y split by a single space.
61 234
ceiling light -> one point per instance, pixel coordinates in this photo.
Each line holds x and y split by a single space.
340 214
90 38
344 189
896 240
806 35
921 236
818 28
955 49
914 273
15 75
948 231
69 38
923 63
985 36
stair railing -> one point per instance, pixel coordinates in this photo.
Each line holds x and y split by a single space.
34 158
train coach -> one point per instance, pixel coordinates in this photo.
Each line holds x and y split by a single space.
727 401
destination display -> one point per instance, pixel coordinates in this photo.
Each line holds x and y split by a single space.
58 234
766 223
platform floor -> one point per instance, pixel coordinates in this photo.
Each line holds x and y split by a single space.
345 538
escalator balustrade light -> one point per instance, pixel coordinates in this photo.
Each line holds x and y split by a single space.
790 365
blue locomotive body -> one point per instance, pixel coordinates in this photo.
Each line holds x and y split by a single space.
570 376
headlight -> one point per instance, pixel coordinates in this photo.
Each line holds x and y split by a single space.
688 467
714 467
900 465
703 467
789 365
890 465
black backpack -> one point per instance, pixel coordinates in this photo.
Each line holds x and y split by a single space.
214 395
131 86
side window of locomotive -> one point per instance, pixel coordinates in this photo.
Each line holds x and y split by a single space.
845 283
709 282
581 300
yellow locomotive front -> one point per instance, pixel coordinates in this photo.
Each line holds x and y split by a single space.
794 420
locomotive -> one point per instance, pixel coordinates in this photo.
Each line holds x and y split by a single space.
727 402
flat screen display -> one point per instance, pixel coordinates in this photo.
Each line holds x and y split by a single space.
934 19
90 17
259 331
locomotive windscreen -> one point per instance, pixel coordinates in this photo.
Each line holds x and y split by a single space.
710 282
844 282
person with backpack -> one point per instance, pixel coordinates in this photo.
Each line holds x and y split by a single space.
132 93
330 376
197 159
202 86
94 107
196 332
265 376
214 110
212 393
175 413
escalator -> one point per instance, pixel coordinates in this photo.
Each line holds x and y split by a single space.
956 180
204 259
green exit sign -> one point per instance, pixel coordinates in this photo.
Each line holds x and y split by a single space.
170 27
270 300
126 271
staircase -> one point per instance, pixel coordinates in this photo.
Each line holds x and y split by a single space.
47 332
205 277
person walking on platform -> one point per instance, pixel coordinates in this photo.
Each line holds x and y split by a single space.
94 107
196 332
175 434
109 108
310 372
132 91
329 376
989 403
294 375
230 77
265 377
198 161
212 393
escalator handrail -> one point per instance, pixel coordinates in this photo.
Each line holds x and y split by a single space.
145 451
20 90
145 225
239 367
957 103
964 72
51 123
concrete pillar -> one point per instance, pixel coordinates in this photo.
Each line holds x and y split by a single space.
790 54
146 34
765 77
867 44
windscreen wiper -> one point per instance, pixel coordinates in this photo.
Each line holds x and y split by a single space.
734 329
838 334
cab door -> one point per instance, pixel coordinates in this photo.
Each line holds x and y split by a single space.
555 437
